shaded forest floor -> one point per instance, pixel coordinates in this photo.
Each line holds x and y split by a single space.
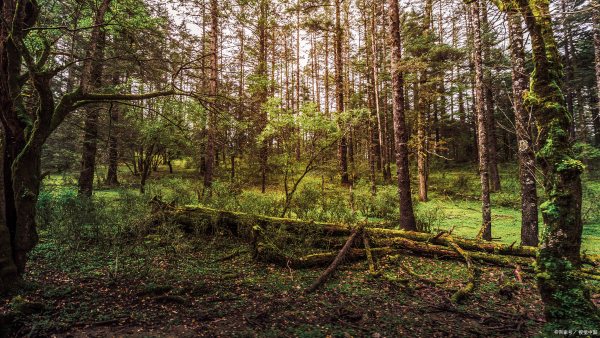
158 291
101 269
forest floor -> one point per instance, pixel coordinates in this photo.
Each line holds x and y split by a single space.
98 271
159 292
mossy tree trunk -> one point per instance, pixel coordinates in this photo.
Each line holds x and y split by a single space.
567 302
595 112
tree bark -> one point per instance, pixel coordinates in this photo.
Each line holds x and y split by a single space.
596 117
8 269
492 142
112 175
407 217
262 95
211 124
91 78
566 301
486 228
339 93
529 200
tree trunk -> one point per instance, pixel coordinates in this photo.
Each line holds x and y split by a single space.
211 111
89 150
567 303
262 95
339 93
407 217
8 269
569 68
92 79
596 18
492 142
113 143
529 200
422 135
486 228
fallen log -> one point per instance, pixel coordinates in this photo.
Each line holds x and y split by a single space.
202 219
331 235
459 295
336 262
442 252
319 259
444 239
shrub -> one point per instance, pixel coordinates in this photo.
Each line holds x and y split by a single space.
258 203
179 190
429 219
74 220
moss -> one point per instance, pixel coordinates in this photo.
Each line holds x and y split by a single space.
550 209
570 165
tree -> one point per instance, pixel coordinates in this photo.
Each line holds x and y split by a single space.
28 126
596 27
482 126
339 91
529 200
213 91
407 216
92 77
567 303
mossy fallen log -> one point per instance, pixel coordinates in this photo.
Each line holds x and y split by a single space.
339 258
321 235
318 259
380 235
443 252
202 219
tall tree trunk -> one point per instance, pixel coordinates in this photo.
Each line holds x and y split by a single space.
568 63
263 91
339 93
422 135
567 302
211 124
407 217
492 142
486 228
113 143
92 78
8 269
422 101
529 200
382 153
596 118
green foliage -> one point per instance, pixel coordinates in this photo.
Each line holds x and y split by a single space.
429 219
74 221
174 189
319 203
586 152
383 205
